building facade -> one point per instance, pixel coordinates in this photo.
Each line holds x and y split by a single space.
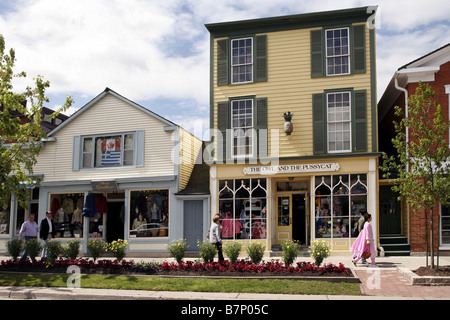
433 69
112 171
294 127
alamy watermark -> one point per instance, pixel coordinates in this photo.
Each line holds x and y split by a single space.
74 280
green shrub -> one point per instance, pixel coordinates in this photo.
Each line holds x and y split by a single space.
207 251
72 249
256 251
319 250
177 249
289 251
232 250
33 247
118 248
14 247
54 249
96 248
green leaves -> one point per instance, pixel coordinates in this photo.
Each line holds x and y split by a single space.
20 129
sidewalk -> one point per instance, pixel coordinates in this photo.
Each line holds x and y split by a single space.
382 283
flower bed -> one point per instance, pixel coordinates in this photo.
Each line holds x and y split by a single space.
189 268
247 268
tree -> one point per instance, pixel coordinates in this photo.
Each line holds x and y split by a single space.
20 130
422 158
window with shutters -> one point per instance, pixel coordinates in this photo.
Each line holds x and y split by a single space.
242 60
108 151
242 127
337 51
339 121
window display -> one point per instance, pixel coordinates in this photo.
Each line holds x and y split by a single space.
242 209
339 201
4 219
149 213
67 209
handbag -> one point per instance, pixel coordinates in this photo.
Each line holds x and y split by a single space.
366 252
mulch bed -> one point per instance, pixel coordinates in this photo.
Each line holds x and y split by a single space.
444 271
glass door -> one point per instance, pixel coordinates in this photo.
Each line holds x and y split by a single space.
283 229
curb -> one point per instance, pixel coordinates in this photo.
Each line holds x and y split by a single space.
415 279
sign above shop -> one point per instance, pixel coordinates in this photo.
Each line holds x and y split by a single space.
292 168
104 186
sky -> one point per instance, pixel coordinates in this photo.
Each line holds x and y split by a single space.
156 52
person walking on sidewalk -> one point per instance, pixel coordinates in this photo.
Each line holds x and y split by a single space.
214 236
46 231
364 243
28 230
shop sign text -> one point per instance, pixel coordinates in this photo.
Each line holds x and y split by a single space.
292 168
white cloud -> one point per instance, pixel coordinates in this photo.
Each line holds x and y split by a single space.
151 50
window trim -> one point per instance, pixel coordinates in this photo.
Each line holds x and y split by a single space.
349 92
252 64
93 150
252 128
334 56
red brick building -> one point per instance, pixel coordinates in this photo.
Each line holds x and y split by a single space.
401 222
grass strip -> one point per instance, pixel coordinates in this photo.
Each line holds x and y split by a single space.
185 284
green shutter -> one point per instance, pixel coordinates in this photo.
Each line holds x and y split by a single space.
260 66
319 123
359 121
317 54
358 48
223 124
222 62
260 125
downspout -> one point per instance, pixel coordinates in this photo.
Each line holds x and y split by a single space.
406 111
406 115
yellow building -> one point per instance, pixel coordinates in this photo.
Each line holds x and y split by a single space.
293 121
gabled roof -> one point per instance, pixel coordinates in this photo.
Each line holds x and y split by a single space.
436 57
422 68
100 97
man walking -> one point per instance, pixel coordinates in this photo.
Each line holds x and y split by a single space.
45 233
28 230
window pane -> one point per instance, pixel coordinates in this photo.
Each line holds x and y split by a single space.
149 213
67 212
337 51
108 151
242 60
4 219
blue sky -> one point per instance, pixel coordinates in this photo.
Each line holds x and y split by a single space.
156 53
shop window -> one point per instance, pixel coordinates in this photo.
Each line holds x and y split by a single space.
243 209
22 214
445 225
5 218
67 210
339 202
149 213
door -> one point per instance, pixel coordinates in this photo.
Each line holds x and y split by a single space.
299 222
390 211
114 221
193 223
283 228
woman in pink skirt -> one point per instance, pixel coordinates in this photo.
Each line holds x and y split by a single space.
364 242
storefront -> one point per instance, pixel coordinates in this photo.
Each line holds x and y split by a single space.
112 179
301 201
